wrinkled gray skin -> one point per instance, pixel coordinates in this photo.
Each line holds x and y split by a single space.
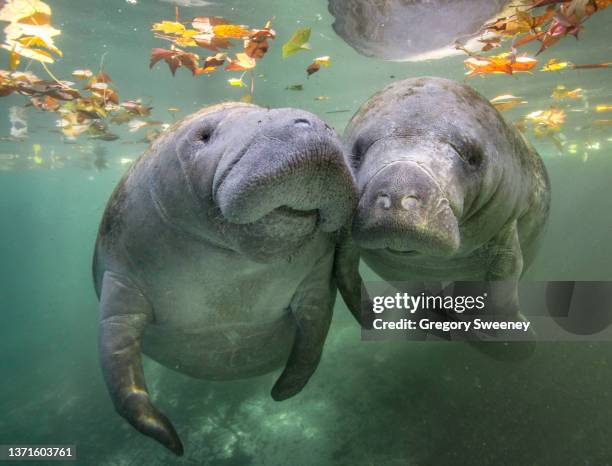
448 192
410 29
214 255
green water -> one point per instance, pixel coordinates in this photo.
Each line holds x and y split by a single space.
369 403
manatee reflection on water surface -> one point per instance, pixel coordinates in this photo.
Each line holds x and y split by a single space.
405 30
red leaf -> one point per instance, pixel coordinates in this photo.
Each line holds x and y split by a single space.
175 58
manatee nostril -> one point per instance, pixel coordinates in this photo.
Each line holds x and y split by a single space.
410 202
302 122
383 201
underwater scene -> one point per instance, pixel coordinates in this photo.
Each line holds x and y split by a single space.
218 254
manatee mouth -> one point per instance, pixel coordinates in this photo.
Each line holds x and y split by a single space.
280 233
407 253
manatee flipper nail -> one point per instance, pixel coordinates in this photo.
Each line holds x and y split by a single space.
124 313
312 307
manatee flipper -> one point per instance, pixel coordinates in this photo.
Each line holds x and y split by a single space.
504 270
312 306
348 279
124 313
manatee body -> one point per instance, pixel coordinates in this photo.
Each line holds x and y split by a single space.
408 30
448 192
214 255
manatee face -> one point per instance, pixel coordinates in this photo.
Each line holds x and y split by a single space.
425 153
409 29
267 180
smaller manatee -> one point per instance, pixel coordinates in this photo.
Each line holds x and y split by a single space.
214 255
448 192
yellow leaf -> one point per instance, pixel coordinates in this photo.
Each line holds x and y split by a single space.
554 65
33 54
603 108
185 41
16 30
169 27
230 31
14 61
236 82
30 42
26 11
325 61
299 41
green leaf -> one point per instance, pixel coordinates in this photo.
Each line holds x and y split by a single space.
299 41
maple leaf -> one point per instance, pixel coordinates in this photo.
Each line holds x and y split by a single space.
256 46
175 58
242 62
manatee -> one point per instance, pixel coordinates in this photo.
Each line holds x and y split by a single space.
409 30
448 192
215 252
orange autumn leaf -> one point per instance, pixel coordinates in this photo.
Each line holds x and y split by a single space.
45 103
230 31
504 63
242 62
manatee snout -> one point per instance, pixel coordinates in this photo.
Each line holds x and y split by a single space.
293 166
404 209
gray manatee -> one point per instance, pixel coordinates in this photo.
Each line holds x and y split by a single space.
410 29
214 255
448 192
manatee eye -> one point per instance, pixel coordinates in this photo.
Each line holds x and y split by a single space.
206 134
470 154
358 151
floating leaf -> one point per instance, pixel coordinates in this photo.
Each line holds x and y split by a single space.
295 87
169 27
242 62
206 23
313 68
561 92
554 65
26 11
503 63
299 41
603 108
175 58
552 119
45 103
230 31
82 74
506 102
323 61
236 82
